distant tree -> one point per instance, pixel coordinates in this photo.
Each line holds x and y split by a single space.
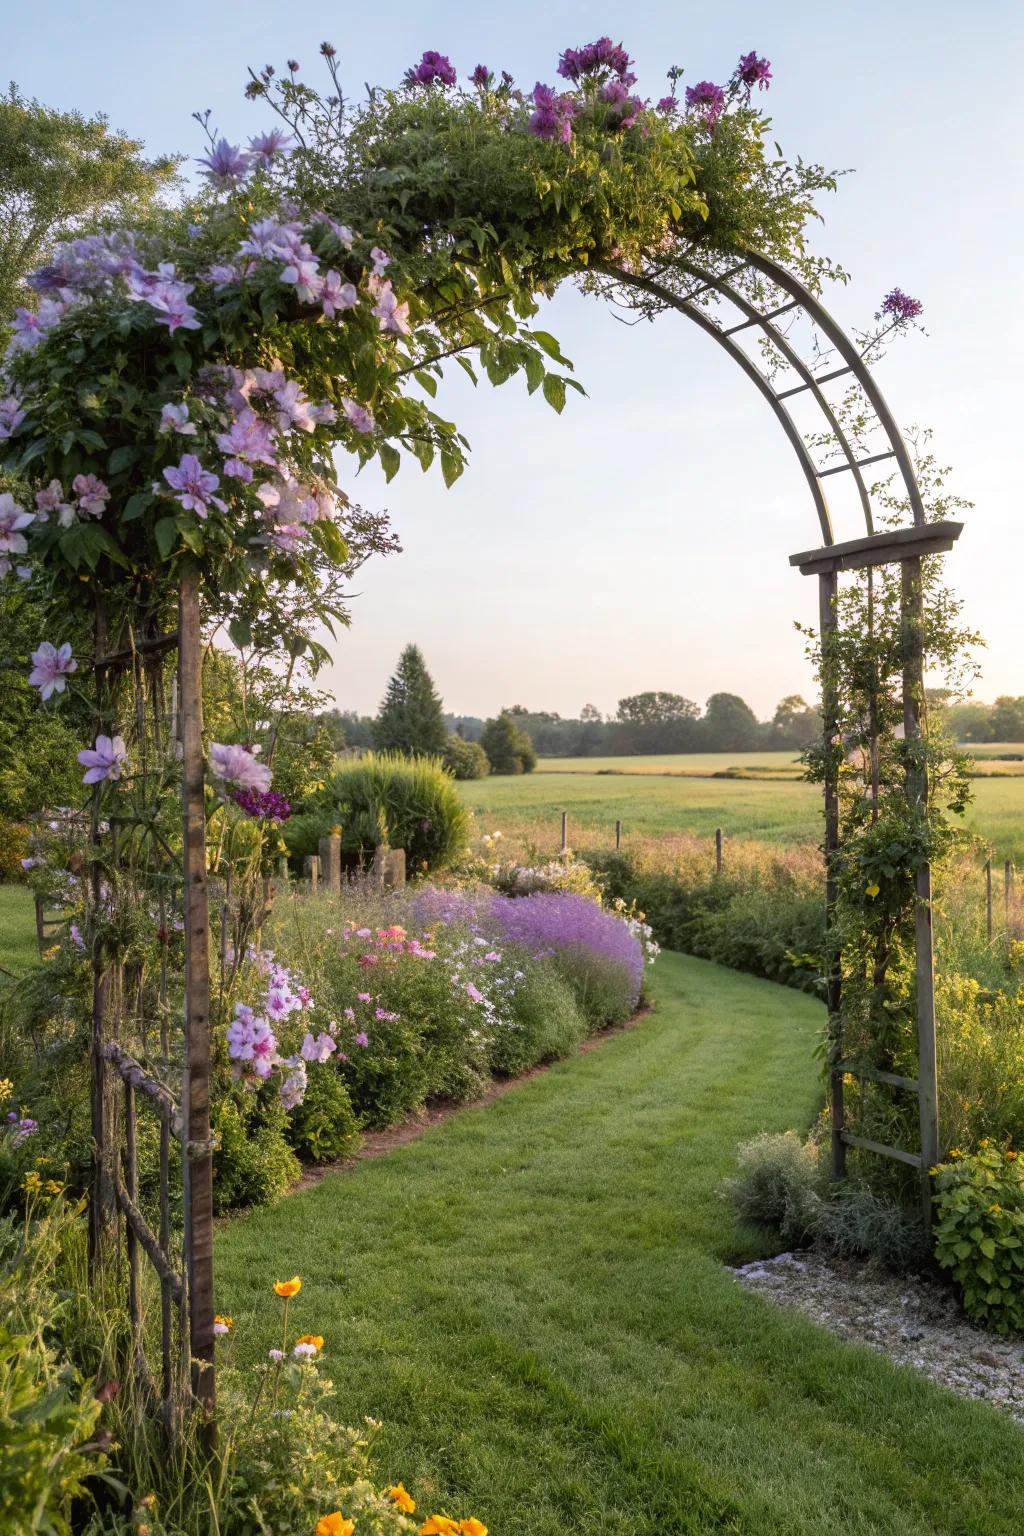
465 759
656 708
729 724
61 173
970 720
1007 719
795 722
591 715
466 726
508 748
411 718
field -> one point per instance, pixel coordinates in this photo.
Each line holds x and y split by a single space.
661 796
17 932
534 1299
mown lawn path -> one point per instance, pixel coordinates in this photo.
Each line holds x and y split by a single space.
533 1298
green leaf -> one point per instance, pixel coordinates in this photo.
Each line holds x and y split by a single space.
135 506
452 466
390 460
240 632
534 369
549 344
166 535
121 458
426 381
554 391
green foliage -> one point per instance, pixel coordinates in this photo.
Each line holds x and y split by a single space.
49 1413
387 798
979 1233
465 759
253 1163
547 1023
411 718
508 749
778 1184
602 989
323 1128
13 848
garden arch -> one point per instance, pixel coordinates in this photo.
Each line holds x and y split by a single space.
142 398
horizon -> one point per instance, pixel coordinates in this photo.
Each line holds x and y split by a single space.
652 522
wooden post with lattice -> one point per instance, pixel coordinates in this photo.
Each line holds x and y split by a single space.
198 1149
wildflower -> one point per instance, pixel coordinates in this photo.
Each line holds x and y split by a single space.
335 1525
50 668
708 96
222 1325
552 115
481 77
195 486
364 997
6 1088
403 1498
265 147
391 315
751 71
603 54
92 494
433 66
439 1525
275 1355
303 274
358 415
104 760
473 993
668 106
262 806
304 1351
317 1047
237 764
472 1527
900 307
1010 1156
313 1339
872 890
362 1038
226 165
174 418
288 1288
995 1209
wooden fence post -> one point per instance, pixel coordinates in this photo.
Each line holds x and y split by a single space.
313 872
330 862
565 830
912 619
718 850
198 1150
618 836
1007 888
988 899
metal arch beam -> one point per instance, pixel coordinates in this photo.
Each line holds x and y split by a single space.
792 357
789 426
848 352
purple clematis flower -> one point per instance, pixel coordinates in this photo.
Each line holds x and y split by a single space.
265 147
249 437
335 295
50 667
433 66
195 486
12 520
391 315
51 499
238 764
709 98
358 415
174 418
751 71
105 760
11 416
93 494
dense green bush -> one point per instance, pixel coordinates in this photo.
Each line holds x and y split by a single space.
603 990
546 1023
508 748
323 1128
253 1163
465 759
979 1234
409 803
14 847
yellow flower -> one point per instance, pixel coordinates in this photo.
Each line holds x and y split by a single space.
311 1338
472 1527
403 1498
335 1525
6 1088
288 1288
439 1525
53 1187
32 1182
996 1208
872 890
955 1152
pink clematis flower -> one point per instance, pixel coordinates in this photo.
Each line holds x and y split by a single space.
195 485
335 295
358 415
105 760
236 764
174 418
249 437
11 416
51 499
12 520
391 315
50 667
303 273
92 494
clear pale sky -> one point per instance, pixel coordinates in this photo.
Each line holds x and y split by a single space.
641 540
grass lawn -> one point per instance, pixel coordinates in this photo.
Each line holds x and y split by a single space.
532 1297
651 804
17 930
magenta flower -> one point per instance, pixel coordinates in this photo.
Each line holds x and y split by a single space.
265 805
265 147
195 486
900 307
358 415
174 418
709 98
391 315
249 437
92 494
668 106
432 67
11 417
105 760
335 295
362 1038
751 71
594 57
553 114
238 764
481 77
226 165
50 667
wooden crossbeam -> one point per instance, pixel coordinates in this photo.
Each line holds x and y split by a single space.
897 1153
887 548
876 1075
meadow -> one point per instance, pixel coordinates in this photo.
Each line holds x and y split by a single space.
661 796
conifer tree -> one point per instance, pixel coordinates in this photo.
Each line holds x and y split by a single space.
411 717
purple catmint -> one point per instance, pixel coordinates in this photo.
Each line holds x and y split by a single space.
557 920
899 306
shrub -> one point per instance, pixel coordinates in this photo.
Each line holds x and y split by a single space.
856 1220
587 943
545 1023
253 1164
779 1185
979 1234
508 749
410 803
465 759
13 848
323 1128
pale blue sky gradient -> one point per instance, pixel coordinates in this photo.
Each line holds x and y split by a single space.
586 557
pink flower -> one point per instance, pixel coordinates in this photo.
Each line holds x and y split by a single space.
361 997
236 764
362 1038
381 261
249 437
303 273
317 1047
12 520
358 415
473 993
170 299
391 315
51 499
195 484
50 666
174 418
92 494
335 295
104 761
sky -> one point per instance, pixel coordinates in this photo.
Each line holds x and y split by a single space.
641 540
